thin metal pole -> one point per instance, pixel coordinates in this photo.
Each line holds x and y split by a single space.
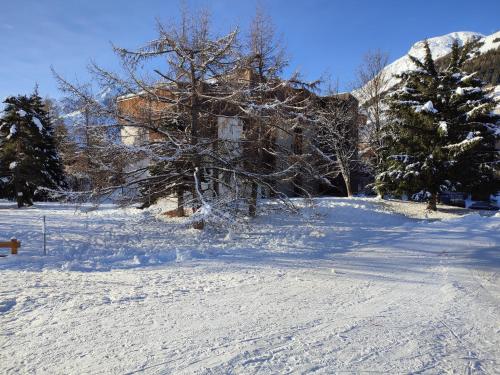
44 237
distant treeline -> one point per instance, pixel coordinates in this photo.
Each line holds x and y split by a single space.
487 66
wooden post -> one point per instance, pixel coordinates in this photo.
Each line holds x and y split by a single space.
44 237
13 244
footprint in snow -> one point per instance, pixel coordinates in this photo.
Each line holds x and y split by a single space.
7 305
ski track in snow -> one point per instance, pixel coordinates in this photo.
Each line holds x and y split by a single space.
346 287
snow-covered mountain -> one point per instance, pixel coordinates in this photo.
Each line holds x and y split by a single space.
440 46
490 42
103 97
74 120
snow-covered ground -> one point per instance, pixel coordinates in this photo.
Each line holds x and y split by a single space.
348 286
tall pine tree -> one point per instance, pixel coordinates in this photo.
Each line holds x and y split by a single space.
29 160
442 132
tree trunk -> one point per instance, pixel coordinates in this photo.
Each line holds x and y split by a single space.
17 183
432 204
200 224
180 202
215 182
19 199
347 182
346 175
215 175
252 206
195 111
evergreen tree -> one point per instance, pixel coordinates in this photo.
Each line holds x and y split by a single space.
28 156
441 134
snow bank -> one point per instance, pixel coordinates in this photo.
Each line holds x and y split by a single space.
84 238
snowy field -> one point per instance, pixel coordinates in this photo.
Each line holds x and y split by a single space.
348 286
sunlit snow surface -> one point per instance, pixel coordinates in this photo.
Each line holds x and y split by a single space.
346 286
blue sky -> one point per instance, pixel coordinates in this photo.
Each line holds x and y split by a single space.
321 36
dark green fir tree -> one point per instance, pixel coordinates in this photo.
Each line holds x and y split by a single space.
29 162
441 134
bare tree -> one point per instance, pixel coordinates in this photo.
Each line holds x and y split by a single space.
65 141
266 50
266 59
90 160
180 96
275 109
183 105
336 137
373 82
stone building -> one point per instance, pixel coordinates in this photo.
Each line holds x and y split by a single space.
228 126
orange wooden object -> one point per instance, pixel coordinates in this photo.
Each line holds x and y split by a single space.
13 244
